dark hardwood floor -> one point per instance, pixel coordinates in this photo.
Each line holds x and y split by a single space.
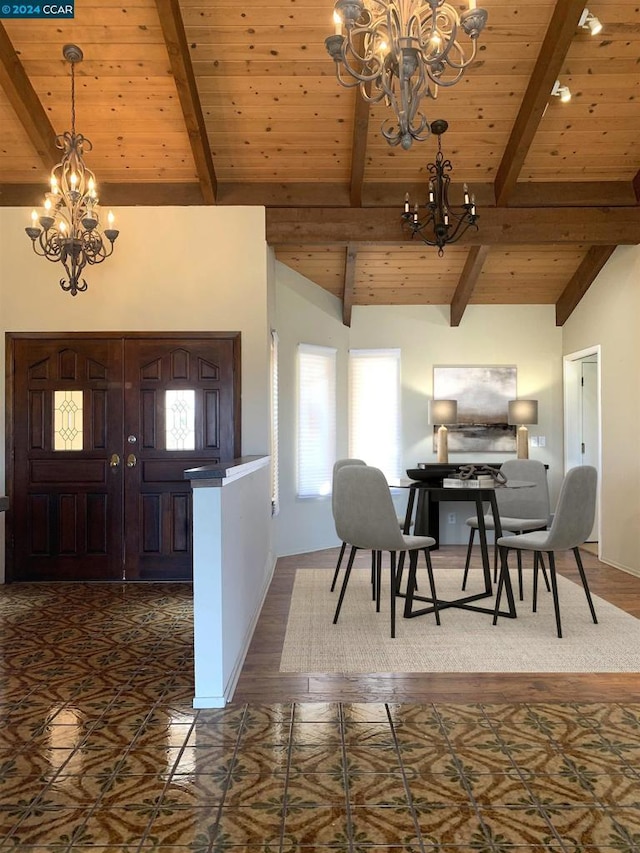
261 680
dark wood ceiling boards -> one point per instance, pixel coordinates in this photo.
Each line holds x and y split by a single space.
214 102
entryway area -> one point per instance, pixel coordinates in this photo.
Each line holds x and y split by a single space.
102 427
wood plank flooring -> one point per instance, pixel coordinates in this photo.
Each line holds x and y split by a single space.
261 681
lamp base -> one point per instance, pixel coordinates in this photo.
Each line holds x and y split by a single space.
522 442
443 444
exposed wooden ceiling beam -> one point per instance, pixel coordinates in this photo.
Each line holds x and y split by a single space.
498 226
581 281
349 284
124 195
182 69
470 274
561 30
613 194
30 112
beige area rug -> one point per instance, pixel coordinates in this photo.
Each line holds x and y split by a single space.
464 642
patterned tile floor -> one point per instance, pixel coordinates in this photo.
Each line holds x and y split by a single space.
100 751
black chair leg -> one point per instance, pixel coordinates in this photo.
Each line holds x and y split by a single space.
378 559
392 594
373 575
520 589
472 534
345 581
335 574
432 584
544 572
576 552
536 558
554 590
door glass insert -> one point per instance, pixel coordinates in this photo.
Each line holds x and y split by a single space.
67 420
180 410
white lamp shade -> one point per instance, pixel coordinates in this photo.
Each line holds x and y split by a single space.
523 412
443 412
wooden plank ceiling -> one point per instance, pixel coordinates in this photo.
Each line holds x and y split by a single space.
212 102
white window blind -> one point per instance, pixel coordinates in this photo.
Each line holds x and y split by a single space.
316 419
374 408
275 481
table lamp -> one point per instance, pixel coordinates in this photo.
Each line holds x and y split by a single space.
443 412
522 412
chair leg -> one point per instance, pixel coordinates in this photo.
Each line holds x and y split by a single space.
378 559
399 572
392 593
339 563
554 590
520 589
345 581
536 558
432 584
576 552
544 572
373 575
472 534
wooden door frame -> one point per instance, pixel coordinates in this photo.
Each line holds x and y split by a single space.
10 340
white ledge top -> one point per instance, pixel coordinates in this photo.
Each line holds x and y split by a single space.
225 472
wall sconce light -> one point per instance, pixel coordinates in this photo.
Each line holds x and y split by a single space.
562 92
443 413
590 22
522 412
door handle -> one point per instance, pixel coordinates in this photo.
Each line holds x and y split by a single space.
131 460
114 461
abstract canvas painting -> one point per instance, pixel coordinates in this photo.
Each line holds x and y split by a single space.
483 394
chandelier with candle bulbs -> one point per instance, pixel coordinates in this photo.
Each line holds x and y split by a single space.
68 227
442 222
401 51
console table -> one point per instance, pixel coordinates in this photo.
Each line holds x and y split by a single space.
427 520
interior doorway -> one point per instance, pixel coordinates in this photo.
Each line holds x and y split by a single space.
582 418
100 428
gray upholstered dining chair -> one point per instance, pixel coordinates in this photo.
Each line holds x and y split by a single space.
520 510
572 523
366 519
338 464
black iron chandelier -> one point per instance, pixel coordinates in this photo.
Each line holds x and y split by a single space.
401 51
443 223
68 228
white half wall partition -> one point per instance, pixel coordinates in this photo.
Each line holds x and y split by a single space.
232 568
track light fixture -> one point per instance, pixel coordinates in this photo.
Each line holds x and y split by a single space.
590 22
562 92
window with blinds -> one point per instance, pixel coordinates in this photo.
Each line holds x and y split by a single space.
316 420
374 409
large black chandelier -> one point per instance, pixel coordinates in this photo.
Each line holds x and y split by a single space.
442 223
68 227
400 51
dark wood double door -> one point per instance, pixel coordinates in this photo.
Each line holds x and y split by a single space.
100 430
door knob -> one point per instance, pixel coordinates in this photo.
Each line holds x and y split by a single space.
131 460
114 461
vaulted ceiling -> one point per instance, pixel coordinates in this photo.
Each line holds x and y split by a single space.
215 102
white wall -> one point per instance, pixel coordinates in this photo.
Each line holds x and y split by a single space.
305 313
522 335
173 269
609 315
